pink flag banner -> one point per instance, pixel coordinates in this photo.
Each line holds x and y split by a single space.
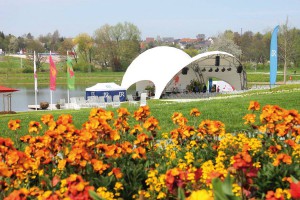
52 74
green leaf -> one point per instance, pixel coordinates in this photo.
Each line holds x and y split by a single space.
94 195
181 195
218 191
226 186
294 179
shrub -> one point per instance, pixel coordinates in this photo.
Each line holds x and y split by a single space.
28 70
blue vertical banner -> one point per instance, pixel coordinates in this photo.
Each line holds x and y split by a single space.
209 84
273 56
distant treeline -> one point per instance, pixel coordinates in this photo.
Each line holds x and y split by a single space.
117 46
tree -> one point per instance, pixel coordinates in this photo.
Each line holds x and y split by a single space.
295 56
116 46
35 45
247 45
258 51
286 43
223 43
85 44
191 51
13 44
68 45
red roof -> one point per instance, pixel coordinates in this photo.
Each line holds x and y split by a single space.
6 89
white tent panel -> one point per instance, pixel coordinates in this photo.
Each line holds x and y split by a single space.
105 87
163 66
158 65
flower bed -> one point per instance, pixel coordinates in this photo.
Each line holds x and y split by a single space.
110 159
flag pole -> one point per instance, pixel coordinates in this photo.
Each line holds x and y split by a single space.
50 93
35 80
67 83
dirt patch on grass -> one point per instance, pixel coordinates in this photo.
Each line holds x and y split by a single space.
7 112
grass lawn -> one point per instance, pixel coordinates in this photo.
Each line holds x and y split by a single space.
228 109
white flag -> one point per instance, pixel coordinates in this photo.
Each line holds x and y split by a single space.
35 74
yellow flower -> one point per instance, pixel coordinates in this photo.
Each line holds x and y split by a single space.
165 135
189 157
257 165
200 194
118 186
161 195
61 164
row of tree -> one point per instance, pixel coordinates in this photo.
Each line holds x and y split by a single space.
116 46
110 46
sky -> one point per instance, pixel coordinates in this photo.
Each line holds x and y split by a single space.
164 18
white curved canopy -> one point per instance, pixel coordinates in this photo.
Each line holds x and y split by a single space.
227 69
158 65
162 65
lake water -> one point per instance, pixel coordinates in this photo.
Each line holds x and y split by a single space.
25 96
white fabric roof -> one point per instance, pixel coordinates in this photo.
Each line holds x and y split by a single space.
207 60
161 64
158 65
105 87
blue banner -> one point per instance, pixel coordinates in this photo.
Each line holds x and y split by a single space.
121 93
273 56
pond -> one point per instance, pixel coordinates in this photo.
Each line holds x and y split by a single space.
26 96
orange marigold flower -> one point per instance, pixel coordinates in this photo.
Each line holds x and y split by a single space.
4 170
288 179
126 147
290 142
6 144
254 105
179 119
139 152
47 118
175 178
14 124
64 119
277 195
25 138
99 166
282 129
123 113
114 135
136 129
242 160
20 194
142 113
34 127
249 118
141 138
210 127
151 124
274 149
77 187
195 112
117 172
284 158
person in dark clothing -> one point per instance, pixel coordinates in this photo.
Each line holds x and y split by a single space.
204 89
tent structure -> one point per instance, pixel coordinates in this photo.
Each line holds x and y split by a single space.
7 93
169 69
155 66
106 89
